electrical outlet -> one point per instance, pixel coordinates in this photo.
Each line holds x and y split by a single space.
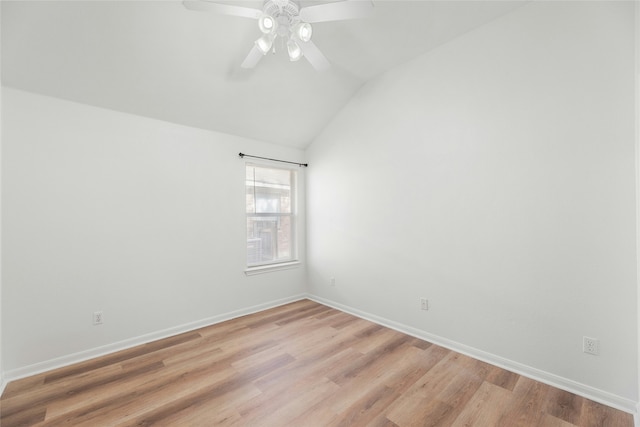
424 304
97 318
333 281
591 346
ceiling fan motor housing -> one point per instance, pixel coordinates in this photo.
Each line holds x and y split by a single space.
285 13
285 6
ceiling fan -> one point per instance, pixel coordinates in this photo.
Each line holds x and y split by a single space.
287 20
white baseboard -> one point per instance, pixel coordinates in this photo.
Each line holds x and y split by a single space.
82 356
3 384
589 392
566 384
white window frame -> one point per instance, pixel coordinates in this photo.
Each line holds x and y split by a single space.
294 261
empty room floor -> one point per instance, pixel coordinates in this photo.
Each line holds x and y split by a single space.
300 364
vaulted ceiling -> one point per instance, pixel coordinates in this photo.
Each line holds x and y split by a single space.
160 60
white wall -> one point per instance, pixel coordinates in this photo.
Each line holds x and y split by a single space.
494 176
637 42
139 218
2 383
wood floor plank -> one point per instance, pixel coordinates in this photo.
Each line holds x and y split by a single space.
526 405
26 417
120 356
384 349
368 407
549 420
502 378
299 364
431 413
46 395
124 400
469 377
281 315
135 389
564 405
370 376
280 396
29 384
598 415
485 408
289 409
413 404
374 340
322 412
212 391
415 365
382 421
220 411
306 314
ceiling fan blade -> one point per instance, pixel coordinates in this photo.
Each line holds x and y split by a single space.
224 9
252 59
347 9
314 56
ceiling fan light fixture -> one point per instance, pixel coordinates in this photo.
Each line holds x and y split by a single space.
264 44
295 53
267 24
303 31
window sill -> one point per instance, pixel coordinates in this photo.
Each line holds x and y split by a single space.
251 271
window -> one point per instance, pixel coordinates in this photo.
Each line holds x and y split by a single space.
271 220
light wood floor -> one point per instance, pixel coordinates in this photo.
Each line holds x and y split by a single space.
302 364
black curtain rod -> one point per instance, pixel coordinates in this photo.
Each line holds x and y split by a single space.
306 165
